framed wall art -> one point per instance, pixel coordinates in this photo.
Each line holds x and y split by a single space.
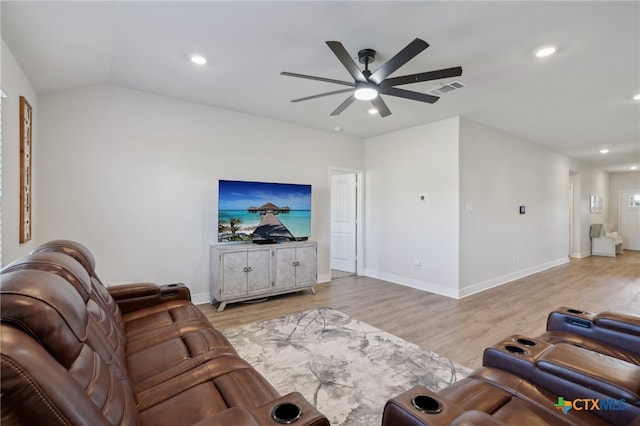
596 204
26 183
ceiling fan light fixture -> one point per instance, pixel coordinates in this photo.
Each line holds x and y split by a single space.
366 92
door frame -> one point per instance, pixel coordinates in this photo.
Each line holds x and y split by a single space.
571 210
359 238
620 202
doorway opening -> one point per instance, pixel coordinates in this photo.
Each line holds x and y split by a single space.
346 229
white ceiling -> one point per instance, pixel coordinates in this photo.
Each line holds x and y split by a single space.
575 102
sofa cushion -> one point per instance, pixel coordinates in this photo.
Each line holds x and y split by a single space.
58 355
48 309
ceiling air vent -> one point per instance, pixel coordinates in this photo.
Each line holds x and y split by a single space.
446 88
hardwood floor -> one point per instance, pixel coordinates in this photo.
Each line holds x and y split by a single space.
461 329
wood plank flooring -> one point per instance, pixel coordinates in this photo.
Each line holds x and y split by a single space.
461 329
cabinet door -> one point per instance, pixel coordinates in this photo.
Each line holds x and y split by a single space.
259 270
285 267
234 274
306 265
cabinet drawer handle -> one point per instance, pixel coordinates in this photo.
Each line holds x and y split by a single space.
249 269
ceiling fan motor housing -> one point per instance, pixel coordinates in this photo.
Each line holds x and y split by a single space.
366 56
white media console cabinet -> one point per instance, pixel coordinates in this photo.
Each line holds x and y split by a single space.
246 271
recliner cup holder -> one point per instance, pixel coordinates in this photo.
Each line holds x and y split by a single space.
286 413
515 349
426 404
525 342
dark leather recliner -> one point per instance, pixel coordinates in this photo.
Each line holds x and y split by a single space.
72 353
583 370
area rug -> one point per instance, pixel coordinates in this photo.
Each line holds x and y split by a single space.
347 368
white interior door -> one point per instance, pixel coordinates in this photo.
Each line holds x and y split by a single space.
343 222
629 224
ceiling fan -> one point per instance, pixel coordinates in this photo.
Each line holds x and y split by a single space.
367 85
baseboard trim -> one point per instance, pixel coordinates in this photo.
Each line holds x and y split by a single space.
200 298
469 290
504 279
324 278
410 282
580 255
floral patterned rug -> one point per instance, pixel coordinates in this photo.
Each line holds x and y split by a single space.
347 368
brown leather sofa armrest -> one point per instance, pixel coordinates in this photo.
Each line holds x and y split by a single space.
232 416
569 319
420 406
263 415
132 297
129 291
309 416
476 418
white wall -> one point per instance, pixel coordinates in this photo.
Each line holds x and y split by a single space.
134 177
469 234
15 84
399 228
498 173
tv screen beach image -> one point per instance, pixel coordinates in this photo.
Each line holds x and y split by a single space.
263 211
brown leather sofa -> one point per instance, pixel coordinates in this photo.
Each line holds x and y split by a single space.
75 352
583 370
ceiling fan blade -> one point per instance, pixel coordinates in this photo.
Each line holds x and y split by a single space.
344 105
423 76
408 94
343 56
312 77
382 107
322 95
401 58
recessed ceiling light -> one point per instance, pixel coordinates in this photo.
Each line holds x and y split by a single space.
604 151
633 168
373 111
545 51
198 59
337 129
637 97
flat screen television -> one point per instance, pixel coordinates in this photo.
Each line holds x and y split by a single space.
263 212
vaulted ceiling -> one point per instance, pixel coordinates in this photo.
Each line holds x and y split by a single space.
575 102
